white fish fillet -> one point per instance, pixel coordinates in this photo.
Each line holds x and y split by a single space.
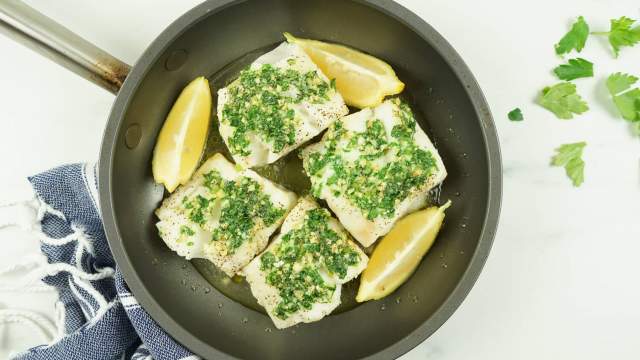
192 240
364 230
269 296
312 118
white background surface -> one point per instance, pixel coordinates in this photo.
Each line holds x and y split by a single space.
562 279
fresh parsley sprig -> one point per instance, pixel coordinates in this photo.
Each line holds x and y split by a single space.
570 156
627 100
622 34
575 39
563 100
574 69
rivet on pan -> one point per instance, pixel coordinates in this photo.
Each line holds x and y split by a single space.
176 59
132 136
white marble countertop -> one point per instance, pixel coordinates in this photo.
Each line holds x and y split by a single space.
562 279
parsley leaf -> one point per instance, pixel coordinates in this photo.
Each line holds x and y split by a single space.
574 39
576 68
515 115
622 34
570 156
629 104
620 82
627 101
563 100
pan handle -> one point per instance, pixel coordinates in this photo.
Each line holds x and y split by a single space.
45 36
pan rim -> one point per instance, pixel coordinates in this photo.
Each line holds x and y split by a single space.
389 8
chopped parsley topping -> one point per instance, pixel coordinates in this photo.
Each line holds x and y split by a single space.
241 204
185 230
294 266
375 189
260 103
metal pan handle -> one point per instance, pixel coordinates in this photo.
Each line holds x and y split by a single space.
38 32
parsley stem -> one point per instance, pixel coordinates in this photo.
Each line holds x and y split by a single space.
600 33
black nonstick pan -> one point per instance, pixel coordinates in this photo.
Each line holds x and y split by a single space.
215 39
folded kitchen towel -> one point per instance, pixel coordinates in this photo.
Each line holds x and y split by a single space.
101 318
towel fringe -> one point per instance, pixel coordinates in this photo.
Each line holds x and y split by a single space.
27 215
30 318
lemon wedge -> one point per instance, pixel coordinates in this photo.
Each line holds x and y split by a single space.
361 79
399 253
183 135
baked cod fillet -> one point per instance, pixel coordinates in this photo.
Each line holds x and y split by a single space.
278 103
373 167
223 215
299 277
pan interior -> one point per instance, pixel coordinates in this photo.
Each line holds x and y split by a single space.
204 318
287 171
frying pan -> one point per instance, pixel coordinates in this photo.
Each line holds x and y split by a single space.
213 37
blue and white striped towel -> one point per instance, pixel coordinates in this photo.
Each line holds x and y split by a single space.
101 318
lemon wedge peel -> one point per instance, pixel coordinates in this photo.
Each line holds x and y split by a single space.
374 284
362 80
182 139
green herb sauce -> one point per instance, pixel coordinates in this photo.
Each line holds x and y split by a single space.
185 230
260 102
242 203
375 190
294 266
